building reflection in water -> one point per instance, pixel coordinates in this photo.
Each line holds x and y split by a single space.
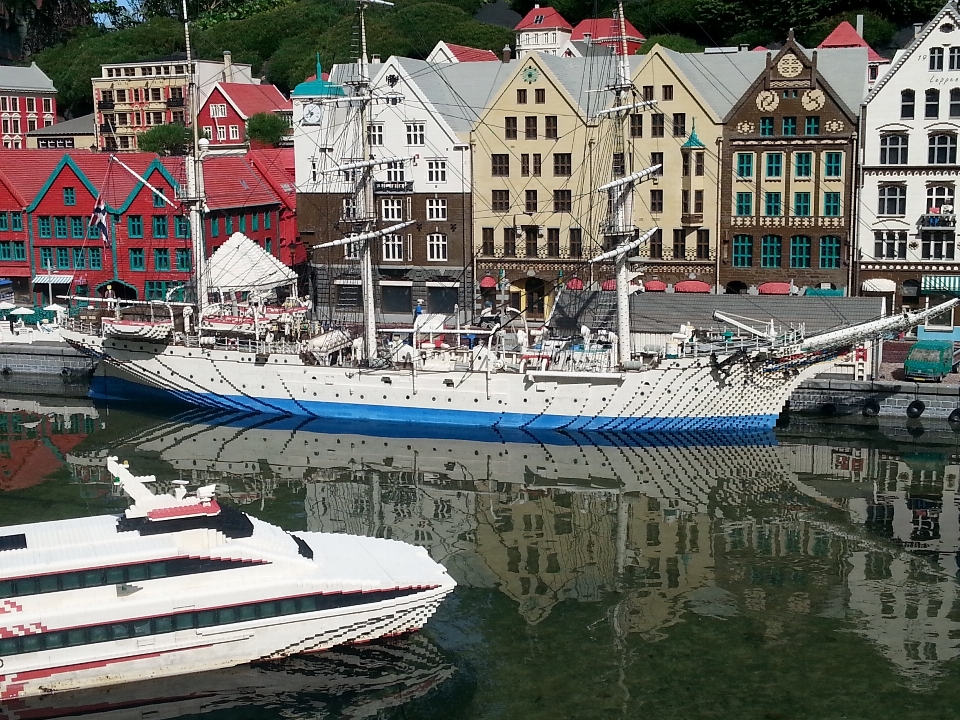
717 526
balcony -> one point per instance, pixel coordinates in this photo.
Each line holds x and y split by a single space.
175 102
106 105
691 219
393 188
107 128
937 220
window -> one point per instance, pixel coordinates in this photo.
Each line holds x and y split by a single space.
936 58
698 202
537 164
830 252
831 204
833 164
43 227
509 242
221 133
500 165
184 263
893 200
679 244
742 251
893 149
766 126
539 96
136 259
351 251
181 226
4 221
955 58
685 163
744 203
618 165
6 250
436 171
656 245
799 251
501 201
666 92
530 203
234 132
907 104
437 247
773 204
744 165
218 110
530 127
656 125
393 247
679 124
636 126
60 227
576 243
135 226
48 104
656 158
789 125
392 209
801 204
266 219
937 244
521 97
161 259
774 165
214 227
931 109
955 101
890 245
770 249
551 130
525 165
160 226
69 196
803 165
939 195
684 201
812 125
415 134
375 134
942 149
396 172
562 164
703 244
553 242
46 258
76 228
16 221
656 201
699 166
648 92
96 259
436 208
487 248
562 201
510 128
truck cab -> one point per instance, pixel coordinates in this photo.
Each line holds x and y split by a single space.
931 360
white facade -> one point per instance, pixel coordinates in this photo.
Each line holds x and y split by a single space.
545 42
909 128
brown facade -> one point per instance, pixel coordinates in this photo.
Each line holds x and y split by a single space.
787 181
429 261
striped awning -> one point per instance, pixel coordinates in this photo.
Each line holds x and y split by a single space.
52 279
940 283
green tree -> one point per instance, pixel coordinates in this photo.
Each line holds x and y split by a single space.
267 128
172 139
679 43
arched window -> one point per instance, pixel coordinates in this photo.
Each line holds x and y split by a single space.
770 251
931 109
800 251
743 251
942 149
907 103
830 252
893 149
955 101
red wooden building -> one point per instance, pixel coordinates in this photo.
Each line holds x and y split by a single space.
224 115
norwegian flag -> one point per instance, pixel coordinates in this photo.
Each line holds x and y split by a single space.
99 221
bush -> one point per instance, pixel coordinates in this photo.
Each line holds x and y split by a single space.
267 128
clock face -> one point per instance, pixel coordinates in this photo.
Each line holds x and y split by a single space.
530 75
312 114
767 101
789 66
813 100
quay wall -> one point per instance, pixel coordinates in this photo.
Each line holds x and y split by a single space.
877 398
43 359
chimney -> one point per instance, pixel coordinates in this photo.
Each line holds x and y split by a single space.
506 53
227 66
917 27
375 59
860 25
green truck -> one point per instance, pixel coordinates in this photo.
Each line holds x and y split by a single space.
931 360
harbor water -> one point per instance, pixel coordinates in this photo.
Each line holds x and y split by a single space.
807 573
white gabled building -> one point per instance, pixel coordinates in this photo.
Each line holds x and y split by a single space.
909 125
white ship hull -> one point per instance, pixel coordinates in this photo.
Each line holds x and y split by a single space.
677 395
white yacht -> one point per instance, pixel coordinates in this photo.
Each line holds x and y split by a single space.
181 584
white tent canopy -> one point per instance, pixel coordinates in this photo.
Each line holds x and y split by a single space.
241 264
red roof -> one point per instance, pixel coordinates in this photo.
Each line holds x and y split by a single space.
543 18
252 99
845 36
759 48
605 29
469 54
276 165
230 181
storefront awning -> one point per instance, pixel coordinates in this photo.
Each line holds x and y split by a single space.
574 284
881 285
823 292
655 286
608 285
774 288
691 286
932 284
488 281
53 279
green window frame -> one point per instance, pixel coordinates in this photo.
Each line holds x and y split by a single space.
771 248
160 226
16 221
773 204
19 250
800 251
743 251
243 223
79 259
135 226
161 259
803 165
96 259
46 258
158 198
228 223
4 221
830 252
69 196
214 227
833 164
137 262
774 165
744 203
766 126
801 204
63 258
831 204
789 125
76 228
60 227
268 246
181 226
744 165
6 250
254 222
266 220
812 125
183 260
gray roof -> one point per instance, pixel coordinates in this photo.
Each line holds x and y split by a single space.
31 79
846 71
82 125
665 312
582 77
720 79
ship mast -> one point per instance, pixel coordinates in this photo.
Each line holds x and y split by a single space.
195 189
366 201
